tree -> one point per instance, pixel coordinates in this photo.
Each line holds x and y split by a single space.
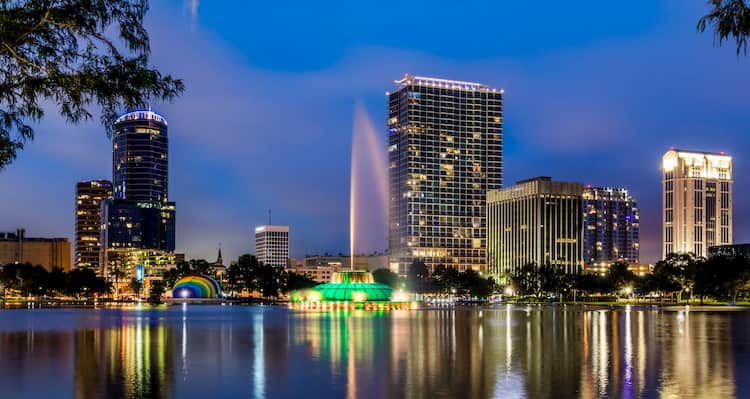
158 288
526 280
475 285
417 277
619 277
136 285
729 19
295 281
72 53
387 277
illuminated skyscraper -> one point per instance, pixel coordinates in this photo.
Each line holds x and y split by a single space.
140 157
89 197
537 221
139 222
697 201
445 153
272 245
611 226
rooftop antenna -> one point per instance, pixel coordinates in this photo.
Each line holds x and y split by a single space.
269 217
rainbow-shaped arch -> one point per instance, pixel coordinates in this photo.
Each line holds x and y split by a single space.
196 286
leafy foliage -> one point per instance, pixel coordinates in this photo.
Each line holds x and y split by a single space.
730 19
387 277
37 281
70 54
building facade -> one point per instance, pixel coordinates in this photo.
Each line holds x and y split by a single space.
537 221
138 223
611 226
730 251
140 157
89 198
361 262
272 245
49 253
696 201
445 152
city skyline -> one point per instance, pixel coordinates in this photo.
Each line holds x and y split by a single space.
571 121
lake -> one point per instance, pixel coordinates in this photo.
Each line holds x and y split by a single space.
507 351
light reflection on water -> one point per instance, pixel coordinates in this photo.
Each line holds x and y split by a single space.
272 352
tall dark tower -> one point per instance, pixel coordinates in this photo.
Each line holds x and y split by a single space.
138 233
140 157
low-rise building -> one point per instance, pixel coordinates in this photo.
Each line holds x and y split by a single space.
46 252
734 250
602 268
321 274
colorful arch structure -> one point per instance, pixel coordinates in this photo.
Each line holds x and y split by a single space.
196 287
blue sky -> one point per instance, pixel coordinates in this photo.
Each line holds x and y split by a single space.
595 92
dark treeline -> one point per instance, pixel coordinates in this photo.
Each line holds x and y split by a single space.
679 277
246 274
443 280
37 281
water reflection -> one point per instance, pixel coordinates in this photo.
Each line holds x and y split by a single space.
268 352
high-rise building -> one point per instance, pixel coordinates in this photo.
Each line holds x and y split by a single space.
89 197
272 245
140 157
611 223
537 221
46 252
697 201
445 152
138 224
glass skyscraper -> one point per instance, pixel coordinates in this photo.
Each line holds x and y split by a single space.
611 226
140 157
139 222
445 152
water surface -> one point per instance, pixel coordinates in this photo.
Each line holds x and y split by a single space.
272 352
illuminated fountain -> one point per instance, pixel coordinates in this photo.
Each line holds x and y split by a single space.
355 289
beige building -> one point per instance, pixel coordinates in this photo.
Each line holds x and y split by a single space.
697 201
536 221
321 274
362 262
46 252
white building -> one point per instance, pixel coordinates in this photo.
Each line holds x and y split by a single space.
272 245
697 201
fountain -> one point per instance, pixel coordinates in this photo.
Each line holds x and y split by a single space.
357 289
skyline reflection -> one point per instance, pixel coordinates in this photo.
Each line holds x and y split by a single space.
272 352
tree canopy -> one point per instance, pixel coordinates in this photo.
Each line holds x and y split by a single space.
729 19
70 54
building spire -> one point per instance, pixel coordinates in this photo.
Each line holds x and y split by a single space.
219 260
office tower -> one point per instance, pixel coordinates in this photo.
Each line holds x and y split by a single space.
89 197
49 253
138 224
272 245
140 157
697 201
445 151
537 221
611 223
